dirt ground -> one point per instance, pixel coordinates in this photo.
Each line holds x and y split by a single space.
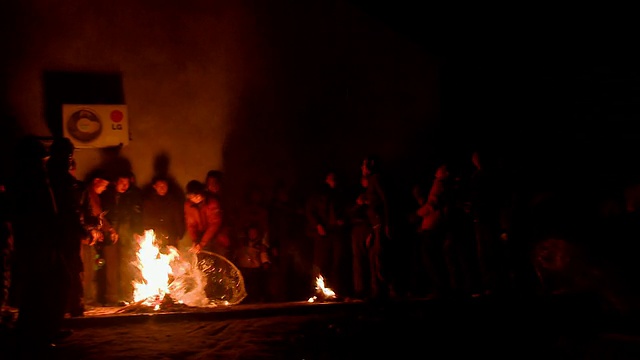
505 329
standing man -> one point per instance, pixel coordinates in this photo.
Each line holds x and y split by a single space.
97 247
67 191
162 213
124 212
360 236
488 201
203 220
39 268
6 246
378 241
326 218
214 188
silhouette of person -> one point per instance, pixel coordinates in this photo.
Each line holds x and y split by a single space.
67 192
39 265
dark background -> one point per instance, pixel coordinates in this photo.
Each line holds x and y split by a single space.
553 90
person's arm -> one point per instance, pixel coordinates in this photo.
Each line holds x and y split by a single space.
136 215
148 214
383 199
310 212
178 221
214 220
313 218
424 209
263 252
190 223
107 228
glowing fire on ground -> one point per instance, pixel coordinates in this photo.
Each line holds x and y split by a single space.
156 271
324 292
169 280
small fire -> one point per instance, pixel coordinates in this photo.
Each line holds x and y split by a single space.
156 271
325 292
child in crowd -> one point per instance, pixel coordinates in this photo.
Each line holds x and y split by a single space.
252 258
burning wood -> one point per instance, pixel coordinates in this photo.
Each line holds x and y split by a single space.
166 304
322 293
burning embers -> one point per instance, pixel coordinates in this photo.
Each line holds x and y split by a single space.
322 293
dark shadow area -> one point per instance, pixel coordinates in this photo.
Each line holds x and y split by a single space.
8 118
113 163
8 141
546 95
258 149
161 166
61 87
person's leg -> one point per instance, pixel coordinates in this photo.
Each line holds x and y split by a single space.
128 269
88 275
378 283
360 261
322 251
434 259
112 273
100 271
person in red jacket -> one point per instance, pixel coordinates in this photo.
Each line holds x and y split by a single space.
203 220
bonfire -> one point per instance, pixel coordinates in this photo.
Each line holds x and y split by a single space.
156 271
169 281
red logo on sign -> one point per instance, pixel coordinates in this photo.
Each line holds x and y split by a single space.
117 116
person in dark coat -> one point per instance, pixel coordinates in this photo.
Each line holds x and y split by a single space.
327 221
378 243
163 213
123 206
39 265
67 191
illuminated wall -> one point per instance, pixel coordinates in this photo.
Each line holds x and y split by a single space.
262 91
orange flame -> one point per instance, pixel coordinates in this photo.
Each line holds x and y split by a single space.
155 268
326 292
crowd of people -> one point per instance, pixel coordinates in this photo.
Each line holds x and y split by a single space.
68 244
